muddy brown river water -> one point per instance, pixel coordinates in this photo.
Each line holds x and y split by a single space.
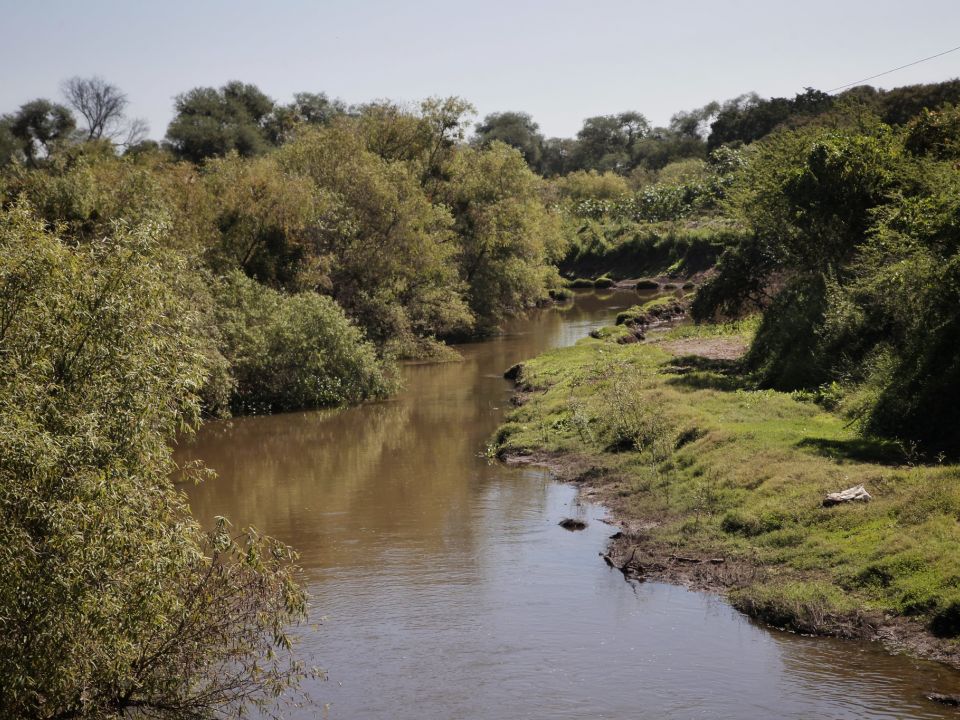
447 589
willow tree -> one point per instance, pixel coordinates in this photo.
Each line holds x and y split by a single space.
507 240
112 599
388 251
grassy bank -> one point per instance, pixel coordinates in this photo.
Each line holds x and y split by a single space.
720 484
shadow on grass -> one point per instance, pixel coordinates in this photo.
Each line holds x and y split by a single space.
700 373
872 450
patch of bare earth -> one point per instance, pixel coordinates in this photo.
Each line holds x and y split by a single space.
716 348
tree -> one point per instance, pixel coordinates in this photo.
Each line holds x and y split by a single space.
210 123
748 118
388 252
507 239
103 107
446 120
516 129
607 142
40 126
899 105
113 601
558 157
663 146
266 220
10 145
306 109
695 123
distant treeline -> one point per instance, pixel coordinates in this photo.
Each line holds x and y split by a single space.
389 226
211 122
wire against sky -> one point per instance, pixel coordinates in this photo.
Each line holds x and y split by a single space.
887 72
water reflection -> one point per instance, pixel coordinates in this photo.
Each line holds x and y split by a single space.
451 592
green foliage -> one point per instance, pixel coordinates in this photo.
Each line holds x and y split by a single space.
608 142
306 109
584 185
623 416
40 127
112 600
266 220
516 129
625 249
687 189
388 253
853 255
749 118
507 239
294 351
935 133
211 122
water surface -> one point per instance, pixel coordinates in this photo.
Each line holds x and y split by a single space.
447 590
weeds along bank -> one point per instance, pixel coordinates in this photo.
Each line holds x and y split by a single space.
721 484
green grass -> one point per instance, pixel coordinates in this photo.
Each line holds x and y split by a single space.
727 469
642 312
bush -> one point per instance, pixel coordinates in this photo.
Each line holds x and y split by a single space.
294 351
627 418
946 622
112 600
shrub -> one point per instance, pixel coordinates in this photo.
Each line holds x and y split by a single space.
112 600
946 622
294 351
628 419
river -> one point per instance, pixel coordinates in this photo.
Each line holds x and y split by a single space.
447 590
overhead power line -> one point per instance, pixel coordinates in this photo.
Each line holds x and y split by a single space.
887 72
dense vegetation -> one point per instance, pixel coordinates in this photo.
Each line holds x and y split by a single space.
268 256
113 599
852 252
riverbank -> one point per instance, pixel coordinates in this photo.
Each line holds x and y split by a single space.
720 486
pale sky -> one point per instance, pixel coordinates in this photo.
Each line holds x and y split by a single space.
560 61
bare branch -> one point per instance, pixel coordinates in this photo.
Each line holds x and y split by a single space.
101 104
136 132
